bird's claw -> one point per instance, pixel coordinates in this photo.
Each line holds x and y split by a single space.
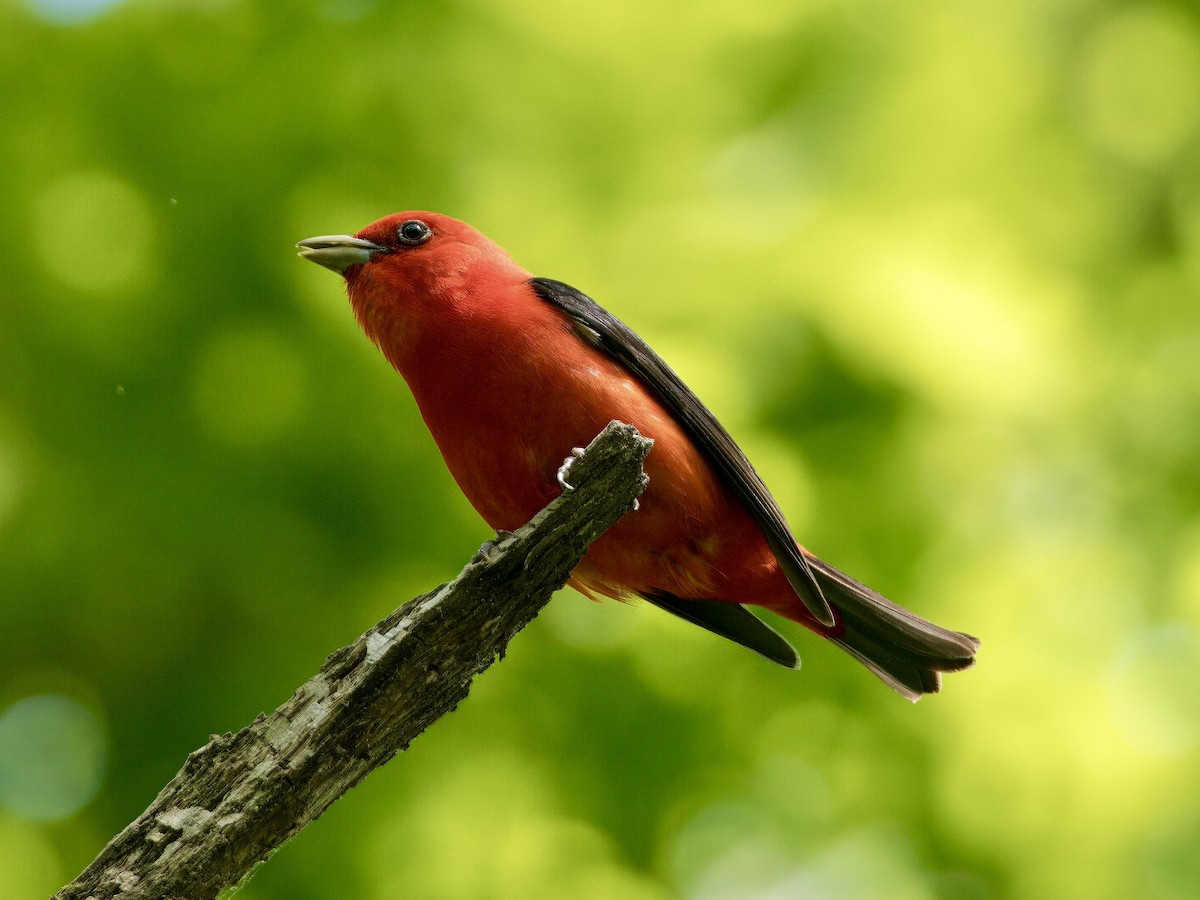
576 453
487 548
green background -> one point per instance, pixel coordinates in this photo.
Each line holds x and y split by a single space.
936 266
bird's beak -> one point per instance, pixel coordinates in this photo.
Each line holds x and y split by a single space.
338 251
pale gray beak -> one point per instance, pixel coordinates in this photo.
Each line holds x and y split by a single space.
338 251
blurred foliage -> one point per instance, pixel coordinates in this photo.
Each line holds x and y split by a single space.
936 265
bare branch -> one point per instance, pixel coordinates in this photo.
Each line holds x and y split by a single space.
242 795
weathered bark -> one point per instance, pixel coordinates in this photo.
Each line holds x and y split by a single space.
242 795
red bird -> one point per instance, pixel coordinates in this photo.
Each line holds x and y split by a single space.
511 372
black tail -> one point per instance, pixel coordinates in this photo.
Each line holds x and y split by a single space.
906 651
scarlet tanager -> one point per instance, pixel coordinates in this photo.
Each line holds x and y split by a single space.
511 372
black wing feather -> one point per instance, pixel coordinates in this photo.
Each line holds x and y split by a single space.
605 331
732 621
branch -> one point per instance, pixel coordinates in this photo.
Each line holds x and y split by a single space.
242 795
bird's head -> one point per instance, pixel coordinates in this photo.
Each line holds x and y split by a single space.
415 267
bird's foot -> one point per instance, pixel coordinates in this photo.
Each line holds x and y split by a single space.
565 468
489 547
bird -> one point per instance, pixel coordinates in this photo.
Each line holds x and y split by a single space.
512 373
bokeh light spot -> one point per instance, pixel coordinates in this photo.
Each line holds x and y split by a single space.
70 12
1155 691
583 624
516 846
94 232
52 757
764 178
248 387
1141 84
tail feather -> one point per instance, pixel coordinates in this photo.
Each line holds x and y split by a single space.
907 652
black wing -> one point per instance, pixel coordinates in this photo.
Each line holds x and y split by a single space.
732 621
605 331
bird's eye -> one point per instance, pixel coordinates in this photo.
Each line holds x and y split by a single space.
413 232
